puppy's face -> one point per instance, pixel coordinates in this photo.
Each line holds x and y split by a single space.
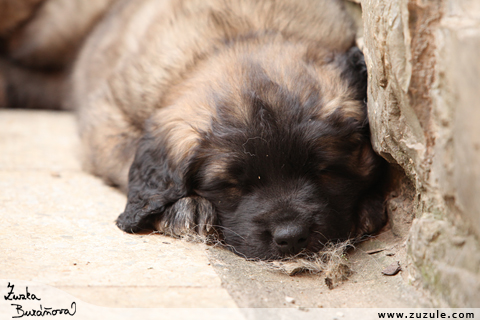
285 178
276 199
283 165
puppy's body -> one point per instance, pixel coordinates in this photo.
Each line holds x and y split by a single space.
137 61
248 115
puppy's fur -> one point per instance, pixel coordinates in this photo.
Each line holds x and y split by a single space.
246 117
39 40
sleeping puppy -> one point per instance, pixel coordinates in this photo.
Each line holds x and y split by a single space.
241 117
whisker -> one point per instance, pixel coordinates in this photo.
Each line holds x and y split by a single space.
229 229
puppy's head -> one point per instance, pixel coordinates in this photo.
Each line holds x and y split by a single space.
283 158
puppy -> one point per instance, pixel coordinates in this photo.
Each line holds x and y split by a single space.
241 117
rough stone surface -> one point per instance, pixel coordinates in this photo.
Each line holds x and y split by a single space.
424 73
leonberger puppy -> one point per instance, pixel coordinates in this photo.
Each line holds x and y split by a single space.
241 118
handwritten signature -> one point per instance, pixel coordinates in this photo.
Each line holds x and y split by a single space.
41 311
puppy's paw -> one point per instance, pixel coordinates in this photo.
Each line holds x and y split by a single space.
372 216
188 216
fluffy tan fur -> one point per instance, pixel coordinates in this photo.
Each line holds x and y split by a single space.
160 60
40 40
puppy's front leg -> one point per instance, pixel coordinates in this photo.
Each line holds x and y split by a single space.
188 215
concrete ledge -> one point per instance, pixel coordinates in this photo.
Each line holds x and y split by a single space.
58 227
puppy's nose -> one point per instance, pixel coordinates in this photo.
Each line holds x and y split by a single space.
291 238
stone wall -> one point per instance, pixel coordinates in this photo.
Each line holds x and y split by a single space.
423 58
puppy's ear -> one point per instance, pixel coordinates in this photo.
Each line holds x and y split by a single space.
355 72
154 184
